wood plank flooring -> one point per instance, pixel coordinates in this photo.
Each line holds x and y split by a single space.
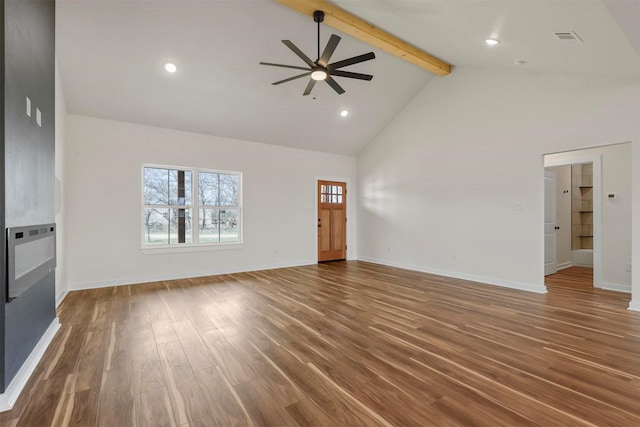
338 344
578 279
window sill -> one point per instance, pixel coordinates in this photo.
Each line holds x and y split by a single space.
169 249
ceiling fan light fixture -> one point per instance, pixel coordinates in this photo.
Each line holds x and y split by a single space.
319 75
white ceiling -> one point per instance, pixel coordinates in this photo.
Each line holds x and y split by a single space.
111 56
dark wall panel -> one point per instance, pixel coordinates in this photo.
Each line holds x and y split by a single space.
3 275
29 162
29 148
27 318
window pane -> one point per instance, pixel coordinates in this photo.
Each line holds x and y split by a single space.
173 186
228 190
156 226
229 230
187 189
161 226
219 225
161 187
173 224
208 189
209 226
174 198
156 186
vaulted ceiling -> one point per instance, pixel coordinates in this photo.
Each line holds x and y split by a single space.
111 56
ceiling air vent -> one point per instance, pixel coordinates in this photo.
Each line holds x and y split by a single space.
570 36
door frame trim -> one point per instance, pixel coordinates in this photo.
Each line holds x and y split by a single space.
350 214
554 176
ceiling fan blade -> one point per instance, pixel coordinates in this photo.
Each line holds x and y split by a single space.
292 78
310 86
351 61
328 50
283 66
334 84
298 52
351 75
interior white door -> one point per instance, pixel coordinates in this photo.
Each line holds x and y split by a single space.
550 264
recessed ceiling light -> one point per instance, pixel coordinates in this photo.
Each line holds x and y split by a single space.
519 63
170 67
344 113
492 42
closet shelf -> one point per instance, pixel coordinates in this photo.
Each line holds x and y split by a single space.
586 186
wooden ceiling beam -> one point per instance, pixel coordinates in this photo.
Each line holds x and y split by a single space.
350 24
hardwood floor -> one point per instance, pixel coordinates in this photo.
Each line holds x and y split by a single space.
339 344
579 279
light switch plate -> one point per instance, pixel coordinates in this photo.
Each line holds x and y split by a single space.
28 107
38 117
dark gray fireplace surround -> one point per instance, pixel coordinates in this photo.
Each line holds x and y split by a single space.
27 159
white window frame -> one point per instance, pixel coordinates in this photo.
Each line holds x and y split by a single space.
195 207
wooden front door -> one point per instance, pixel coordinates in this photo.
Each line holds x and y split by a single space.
332 220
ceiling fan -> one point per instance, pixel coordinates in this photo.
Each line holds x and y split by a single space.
320 69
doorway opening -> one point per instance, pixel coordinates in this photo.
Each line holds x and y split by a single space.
575 197
601 178
332 221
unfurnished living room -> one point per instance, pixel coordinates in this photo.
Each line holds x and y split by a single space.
320 213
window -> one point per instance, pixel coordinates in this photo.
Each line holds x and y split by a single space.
331 194
190 207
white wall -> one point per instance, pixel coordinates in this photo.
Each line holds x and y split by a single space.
454 185
61 260
616 213
103 202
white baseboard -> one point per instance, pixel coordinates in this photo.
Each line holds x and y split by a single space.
61 297
184 275
541 289
564 265
615 287
634 305
12 392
